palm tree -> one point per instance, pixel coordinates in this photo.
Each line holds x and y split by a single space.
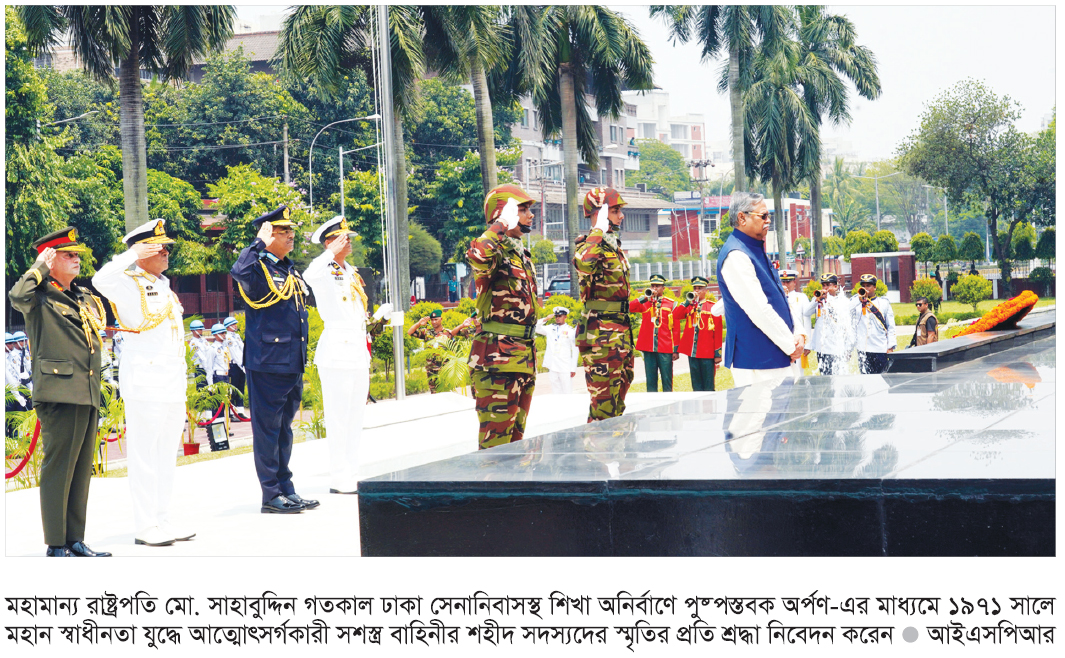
783 129
737 29
829 50
321 42
162 39
574 51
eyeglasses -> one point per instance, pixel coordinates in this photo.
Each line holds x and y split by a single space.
763 216
919 304
284 231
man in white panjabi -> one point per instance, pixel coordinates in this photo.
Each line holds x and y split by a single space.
761 339
560 357
152 372
343 355
801 308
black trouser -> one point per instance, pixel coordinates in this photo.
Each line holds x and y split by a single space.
872 363
236 377
68 436
702 373
653 362
828 364
273 399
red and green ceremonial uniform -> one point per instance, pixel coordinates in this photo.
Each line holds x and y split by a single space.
658 339
503 353
701 339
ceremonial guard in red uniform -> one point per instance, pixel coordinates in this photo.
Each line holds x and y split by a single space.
701 340
659 335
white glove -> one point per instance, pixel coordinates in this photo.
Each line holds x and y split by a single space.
602 219
382 311
509 216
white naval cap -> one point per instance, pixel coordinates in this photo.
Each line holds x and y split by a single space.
330 228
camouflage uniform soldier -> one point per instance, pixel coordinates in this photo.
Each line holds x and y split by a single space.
431 330
503 354
604 334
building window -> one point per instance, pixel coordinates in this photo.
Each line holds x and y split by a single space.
647 130
683 149
636 222
536 118
678 131
525 118
614 137
585 223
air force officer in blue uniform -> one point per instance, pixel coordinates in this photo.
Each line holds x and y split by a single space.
275 354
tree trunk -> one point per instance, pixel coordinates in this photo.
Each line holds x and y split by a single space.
778 222
486 142
570 157
815 223
131 125
402 225
736 102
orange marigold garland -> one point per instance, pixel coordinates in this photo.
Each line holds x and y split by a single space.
1004 316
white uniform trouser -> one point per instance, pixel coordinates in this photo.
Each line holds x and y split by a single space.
344 399
747 376
561 382
153 432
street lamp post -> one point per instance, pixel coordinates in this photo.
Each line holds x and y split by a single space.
701 165
342 154
310 152
56 123
876 186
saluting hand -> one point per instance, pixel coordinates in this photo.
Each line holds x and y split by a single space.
602 219
146 250
509 215
47 256
266 233
339 244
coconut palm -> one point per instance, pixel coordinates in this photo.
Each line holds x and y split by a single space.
828 49
575 51
783 129
162 39
738 30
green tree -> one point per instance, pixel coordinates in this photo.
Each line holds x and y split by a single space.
1046 248
75 94
923 247
857 242
569 46
1024 242
37 200
458 193
662 168
26 99
738 30
885 241
834 246
946 250
97 211
163 39
543 252
968 144
362 208
971 289
829 47
424 252
971 248
926 287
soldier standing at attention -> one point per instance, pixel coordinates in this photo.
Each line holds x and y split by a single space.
218 358
430 329
701 340
659 336
199 352
343 352
275 354
64 322
154 371
503 354
235 345
604 333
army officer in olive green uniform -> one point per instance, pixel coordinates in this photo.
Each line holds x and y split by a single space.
64 322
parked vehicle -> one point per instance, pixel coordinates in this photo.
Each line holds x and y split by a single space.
558 286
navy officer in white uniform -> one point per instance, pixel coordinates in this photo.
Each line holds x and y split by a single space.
152 370
560 358
343 354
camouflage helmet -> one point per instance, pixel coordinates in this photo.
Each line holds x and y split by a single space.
498 197
599 196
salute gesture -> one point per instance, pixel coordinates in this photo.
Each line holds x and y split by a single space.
602 219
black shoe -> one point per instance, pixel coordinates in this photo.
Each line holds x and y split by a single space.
302 502
338 491
58 551
281 505
79 549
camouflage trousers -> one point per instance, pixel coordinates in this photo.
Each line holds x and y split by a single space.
608 373
432 373
502 401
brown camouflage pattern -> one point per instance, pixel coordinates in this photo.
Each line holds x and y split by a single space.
506 292
604 339
595 199
502 401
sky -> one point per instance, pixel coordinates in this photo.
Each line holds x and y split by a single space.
921 52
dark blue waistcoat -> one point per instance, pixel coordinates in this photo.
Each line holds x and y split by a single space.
746 346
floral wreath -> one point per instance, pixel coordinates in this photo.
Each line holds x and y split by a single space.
1004 316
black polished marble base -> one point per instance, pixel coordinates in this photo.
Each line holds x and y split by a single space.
945 353
952 463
